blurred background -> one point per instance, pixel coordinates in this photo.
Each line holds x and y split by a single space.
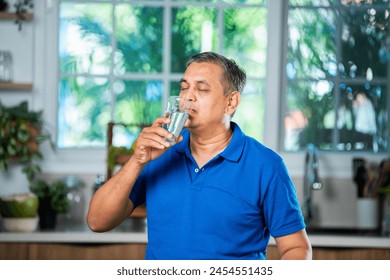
91 74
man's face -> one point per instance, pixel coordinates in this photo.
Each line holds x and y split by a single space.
201 83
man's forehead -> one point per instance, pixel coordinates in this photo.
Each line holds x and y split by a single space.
201 72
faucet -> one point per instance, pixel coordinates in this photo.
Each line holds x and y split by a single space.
311 181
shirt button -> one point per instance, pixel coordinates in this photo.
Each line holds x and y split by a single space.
202 169
196 170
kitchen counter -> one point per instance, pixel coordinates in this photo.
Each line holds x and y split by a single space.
134 231
316 240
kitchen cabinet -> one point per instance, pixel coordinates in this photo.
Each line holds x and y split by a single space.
69 251
13 251
128 242
136 251
329 253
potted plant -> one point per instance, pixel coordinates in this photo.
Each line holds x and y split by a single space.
21 8
52 200
19 212
21 133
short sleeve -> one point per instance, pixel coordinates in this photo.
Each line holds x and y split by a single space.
137 195
281 206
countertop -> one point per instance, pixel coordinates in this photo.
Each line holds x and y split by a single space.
134 231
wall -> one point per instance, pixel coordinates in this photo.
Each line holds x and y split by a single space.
21 45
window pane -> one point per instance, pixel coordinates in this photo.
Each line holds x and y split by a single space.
125 44
353 56
262 2
245 38
137 102
259 2
250 113
308 103
362 2
365 29
85 38
175 88
83 105
193 30
362 118
194 1
125 135
139 39
313 2
311 44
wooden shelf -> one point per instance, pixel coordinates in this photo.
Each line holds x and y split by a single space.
15 86
12 16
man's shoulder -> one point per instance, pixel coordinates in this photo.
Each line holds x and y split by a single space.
256 149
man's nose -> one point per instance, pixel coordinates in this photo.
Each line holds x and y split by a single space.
189 95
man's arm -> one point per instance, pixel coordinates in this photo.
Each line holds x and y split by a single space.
110 205
295 246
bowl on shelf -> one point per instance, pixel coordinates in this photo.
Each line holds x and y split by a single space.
20 224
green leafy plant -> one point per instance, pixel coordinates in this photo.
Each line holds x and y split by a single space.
114 152
21 133
57 192
385 191
21 7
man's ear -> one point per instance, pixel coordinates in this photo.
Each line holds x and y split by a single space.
233 99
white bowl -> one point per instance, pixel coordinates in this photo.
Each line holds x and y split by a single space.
20 224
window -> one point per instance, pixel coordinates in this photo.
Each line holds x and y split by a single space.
338 75
120 60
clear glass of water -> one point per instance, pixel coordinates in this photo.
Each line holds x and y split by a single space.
178 111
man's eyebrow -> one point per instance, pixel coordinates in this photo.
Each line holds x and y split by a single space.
182 80
203 82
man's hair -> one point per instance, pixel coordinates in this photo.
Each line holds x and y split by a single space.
233 76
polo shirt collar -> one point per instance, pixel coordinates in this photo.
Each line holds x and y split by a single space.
232 152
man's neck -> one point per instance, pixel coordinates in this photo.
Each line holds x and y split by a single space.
204 147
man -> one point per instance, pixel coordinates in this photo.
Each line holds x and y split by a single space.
216 194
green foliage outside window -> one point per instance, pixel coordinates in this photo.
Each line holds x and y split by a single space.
337 72
115 65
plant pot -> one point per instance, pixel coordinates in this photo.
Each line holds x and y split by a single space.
20 224
47 216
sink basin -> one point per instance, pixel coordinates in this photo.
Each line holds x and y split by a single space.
342 231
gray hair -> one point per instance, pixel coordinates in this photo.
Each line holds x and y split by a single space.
233 76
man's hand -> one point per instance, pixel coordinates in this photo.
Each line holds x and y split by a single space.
151 142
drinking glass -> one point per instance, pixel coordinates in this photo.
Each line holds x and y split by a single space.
178 111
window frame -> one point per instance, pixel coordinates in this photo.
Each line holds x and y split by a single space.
337 80
335 164
92 161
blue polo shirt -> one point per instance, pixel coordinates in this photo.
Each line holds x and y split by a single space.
226 209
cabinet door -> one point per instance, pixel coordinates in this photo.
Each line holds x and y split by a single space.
13 251
350 254
339 253
48 251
